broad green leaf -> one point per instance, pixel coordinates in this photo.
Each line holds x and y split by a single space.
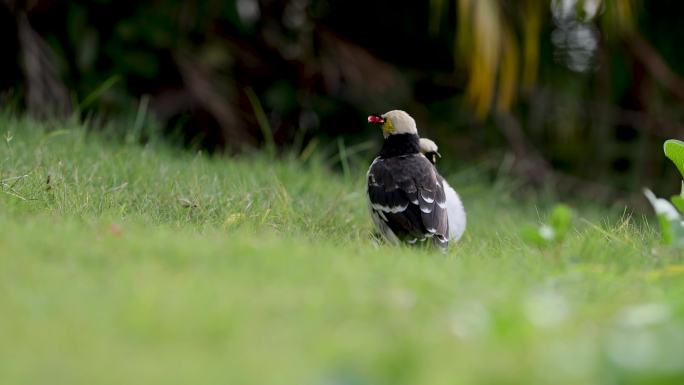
674 150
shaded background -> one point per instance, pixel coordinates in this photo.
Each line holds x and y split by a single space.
573 94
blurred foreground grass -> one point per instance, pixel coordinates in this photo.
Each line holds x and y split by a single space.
128 264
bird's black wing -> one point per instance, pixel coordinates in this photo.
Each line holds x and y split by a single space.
406 195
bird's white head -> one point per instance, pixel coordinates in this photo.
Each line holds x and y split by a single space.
429 149
395 122
426 145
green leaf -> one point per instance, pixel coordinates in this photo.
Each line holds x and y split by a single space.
559 224
672 231
674 150
666 235
678 202
677 233
670 220
561 220
530 234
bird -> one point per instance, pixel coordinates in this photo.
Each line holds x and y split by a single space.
406 195
456 214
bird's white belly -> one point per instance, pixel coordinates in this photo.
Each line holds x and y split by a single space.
455 213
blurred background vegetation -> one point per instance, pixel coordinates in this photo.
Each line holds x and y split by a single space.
577 95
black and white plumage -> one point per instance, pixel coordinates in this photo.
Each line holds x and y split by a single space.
406 194
455 210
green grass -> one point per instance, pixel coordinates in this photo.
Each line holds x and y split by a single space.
145 265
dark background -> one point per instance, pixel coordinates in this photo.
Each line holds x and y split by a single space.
577 95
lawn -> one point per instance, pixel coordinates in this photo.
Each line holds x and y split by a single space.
130 264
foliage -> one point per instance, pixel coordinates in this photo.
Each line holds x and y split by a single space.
499 40
584 84
674 150
553 232
669 213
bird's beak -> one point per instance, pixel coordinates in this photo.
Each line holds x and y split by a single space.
435 155
375 119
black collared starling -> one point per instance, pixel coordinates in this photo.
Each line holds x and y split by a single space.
406 194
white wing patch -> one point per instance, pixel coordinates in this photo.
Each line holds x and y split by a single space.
380 214
387 209
426 199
